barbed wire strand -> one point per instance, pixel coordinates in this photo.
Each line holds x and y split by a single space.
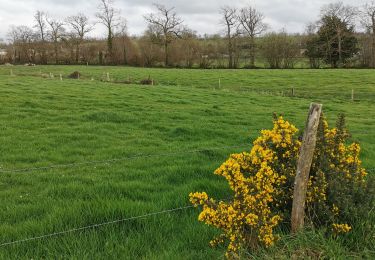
132 157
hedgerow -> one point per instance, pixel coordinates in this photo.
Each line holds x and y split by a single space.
262 184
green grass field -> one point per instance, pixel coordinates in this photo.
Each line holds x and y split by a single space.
171 137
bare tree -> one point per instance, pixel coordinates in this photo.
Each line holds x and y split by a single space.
122 39
252 22
56 32
346 15
368 20
80 26
230 21
22 38
166 25
110 18
41 26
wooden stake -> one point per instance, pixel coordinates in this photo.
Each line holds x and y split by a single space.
352 94
219 83
293 92
108 79
304 167
61 77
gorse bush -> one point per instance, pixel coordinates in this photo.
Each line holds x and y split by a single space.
262 182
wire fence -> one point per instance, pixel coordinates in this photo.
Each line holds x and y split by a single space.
283 91
118 221
94 226
127 158
98 225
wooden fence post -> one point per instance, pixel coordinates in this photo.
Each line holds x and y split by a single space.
352 94
304 166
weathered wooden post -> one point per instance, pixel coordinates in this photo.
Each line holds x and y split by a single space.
219 83
108 78
304 166
61 78
352 94
293 92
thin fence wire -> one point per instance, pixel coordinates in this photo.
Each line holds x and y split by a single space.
112 161
132 157
94 226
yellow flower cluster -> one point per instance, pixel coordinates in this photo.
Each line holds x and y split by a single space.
335 210
344 159
262 183
341 228
335 163
256 178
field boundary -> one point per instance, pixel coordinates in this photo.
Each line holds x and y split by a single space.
109 161
94 226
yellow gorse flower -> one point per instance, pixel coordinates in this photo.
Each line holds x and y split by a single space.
262 184
341 228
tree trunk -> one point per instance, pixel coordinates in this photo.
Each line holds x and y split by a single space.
373 43
125 55
252 52
230 53
77 53
56 54
340 47
110 44
166 54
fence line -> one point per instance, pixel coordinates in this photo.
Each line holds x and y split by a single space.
93 226
133 157
285 92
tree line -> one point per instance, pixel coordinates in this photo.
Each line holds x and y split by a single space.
342 36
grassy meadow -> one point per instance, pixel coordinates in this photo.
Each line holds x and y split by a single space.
170 137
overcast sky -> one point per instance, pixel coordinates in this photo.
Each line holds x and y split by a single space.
200 15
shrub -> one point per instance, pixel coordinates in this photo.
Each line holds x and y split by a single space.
147 81
75 75
262 182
